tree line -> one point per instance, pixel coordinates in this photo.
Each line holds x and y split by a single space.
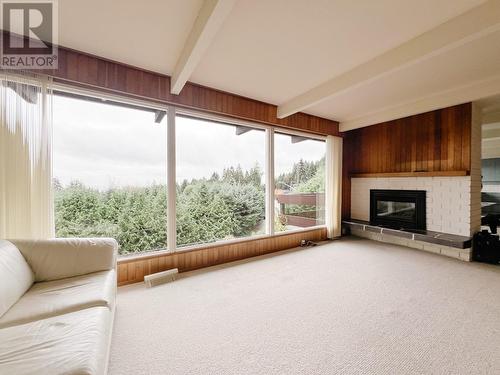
227 206
209 209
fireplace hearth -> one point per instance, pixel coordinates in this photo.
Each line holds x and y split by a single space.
398 209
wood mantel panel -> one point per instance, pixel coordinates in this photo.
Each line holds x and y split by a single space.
411 174
94 72
436 143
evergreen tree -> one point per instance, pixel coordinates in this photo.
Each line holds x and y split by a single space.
223 206
215 177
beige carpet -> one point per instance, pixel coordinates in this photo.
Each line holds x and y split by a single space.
348 307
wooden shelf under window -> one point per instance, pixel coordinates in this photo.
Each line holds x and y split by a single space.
411 174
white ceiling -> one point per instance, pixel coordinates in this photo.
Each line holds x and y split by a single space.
281 48
468 63
275 50
148 34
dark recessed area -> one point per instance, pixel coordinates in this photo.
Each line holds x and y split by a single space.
398 209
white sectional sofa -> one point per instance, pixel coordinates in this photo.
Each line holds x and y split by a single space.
57 304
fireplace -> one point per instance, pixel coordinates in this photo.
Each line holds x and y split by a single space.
398 209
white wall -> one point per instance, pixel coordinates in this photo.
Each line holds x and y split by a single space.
475 169
491 148
491 135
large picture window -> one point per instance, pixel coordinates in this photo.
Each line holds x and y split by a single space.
299 182
109 173
110 163
220 189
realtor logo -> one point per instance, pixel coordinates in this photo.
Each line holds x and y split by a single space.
29 37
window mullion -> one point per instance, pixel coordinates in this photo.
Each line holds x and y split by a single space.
269 178
171 181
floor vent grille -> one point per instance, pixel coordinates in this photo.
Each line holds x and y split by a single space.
161 277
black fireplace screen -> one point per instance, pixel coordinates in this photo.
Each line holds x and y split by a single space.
396 210
400 209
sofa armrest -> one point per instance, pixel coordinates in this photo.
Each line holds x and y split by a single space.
67 257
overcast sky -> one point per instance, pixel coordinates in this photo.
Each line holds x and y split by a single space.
107 146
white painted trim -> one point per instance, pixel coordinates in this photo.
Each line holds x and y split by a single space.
171 182
475 24
210 18
458 95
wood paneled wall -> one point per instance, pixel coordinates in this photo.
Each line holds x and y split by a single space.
133 270
429 142
94 72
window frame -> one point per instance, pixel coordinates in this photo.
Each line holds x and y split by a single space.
305 135
171 163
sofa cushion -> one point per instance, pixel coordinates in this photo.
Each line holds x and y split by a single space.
75 343
16 276
60 258
57 297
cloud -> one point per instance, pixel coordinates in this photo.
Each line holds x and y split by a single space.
104 145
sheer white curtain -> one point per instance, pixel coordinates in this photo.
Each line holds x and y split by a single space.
333 196
26 205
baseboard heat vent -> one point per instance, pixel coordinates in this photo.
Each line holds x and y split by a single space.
161 277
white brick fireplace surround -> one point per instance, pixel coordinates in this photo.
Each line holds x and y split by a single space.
453 203
448 200
448 208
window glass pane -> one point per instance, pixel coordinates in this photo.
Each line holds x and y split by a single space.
110 174
299 182
220 182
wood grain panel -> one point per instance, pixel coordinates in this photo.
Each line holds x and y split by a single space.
89 71
411 174
133 270
435 143
94 72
